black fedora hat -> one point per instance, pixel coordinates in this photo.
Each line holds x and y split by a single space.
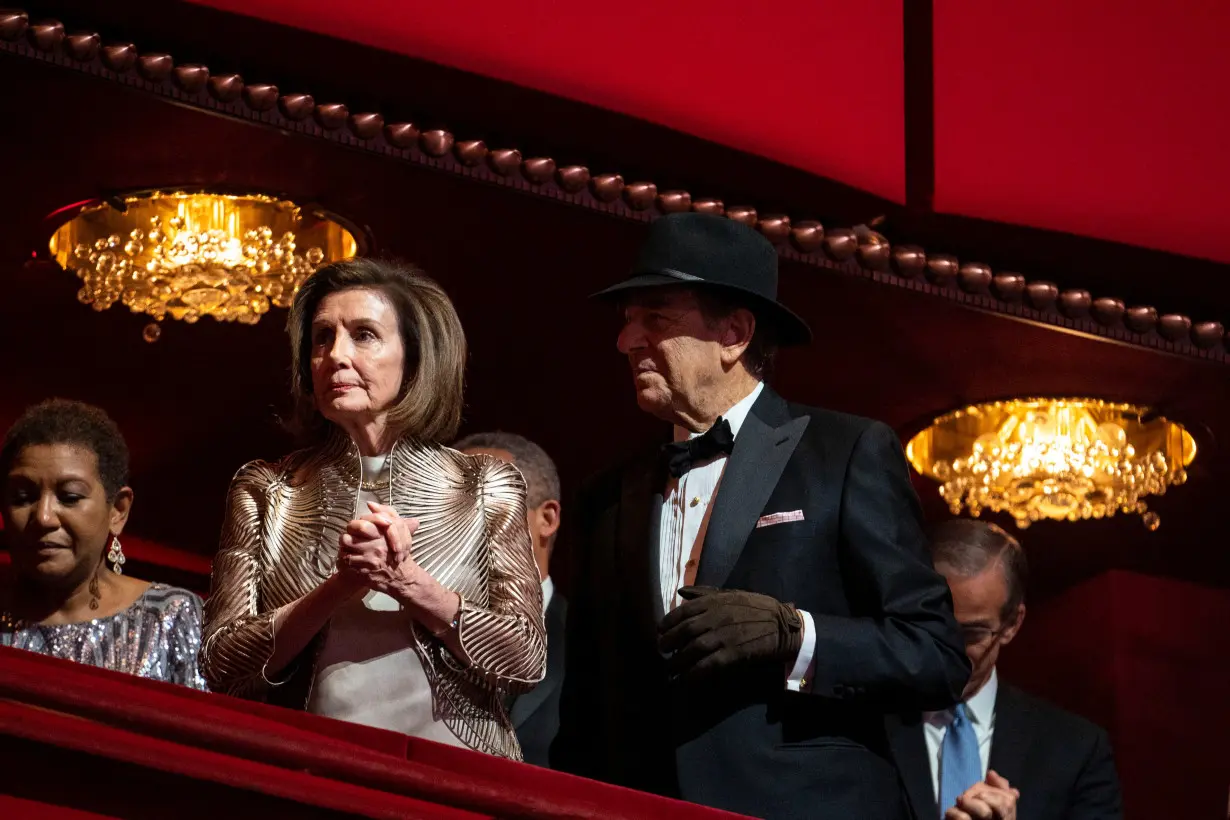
707 251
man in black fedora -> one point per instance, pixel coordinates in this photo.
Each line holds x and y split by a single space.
739 645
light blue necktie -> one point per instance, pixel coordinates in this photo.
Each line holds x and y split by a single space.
960 765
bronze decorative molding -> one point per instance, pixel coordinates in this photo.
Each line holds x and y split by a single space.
855 252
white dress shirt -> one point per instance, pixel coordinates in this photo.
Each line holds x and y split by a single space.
686 507
981 712
548 589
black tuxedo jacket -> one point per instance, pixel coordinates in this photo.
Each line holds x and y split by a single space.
885 636
1061 763
535 715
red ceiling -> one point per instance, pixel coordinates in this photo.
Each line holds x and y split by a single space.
816 84
1107 119
1096 118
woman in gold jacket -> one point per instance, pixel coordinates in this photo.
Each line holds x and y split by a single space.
378 576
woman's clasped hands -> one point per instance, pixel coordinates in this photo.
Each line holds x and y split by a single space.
374 552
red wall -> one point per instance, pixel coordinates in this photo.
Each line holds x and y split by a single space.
1148 659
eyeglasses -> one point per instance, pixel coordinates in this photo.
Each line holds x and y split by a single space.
976 635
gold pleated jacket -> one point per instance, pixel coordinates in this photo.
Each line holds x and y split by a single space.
279 542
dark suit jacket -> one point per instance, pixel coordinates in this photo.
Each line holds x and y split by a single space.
535 715
1061 763
885 633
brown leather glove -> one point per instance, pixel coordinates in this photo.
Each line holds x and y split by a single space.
717 628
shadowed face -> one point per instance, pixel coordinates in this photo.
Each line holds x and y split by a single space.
675 355
978 602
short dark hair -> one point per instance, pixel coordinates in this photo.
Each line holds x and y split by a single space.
541 477
433 383
61 421
970 546
761 352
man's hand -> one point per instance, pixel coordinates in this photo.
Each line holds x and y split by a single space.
992 799
717 628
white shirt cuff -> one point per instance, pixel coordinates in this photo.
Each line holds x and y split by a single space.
800 674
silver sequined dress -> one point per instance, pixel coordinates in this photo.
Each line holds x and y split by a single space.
158 637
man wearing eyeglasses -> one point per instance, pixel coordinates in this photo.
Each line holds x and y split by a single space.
1000 754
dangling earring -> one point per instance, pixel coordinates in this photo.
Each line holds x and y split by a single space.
116 556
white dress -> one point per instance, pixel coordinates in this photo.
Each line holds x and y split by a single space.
368 671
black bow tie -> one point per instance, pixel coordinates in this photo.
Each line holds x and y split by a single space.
681 456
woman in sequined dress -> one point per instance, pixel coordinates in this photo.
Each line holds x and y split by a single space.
378 576
64 467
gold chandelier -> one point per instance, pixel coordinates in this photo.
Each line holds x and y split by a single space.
1059 459
193 254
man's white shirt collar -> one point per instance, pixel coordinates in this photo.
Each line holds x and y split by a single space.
548 589
980 708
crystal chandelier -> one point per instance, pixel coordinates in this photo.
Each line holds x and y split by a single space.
193 254
1059 459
